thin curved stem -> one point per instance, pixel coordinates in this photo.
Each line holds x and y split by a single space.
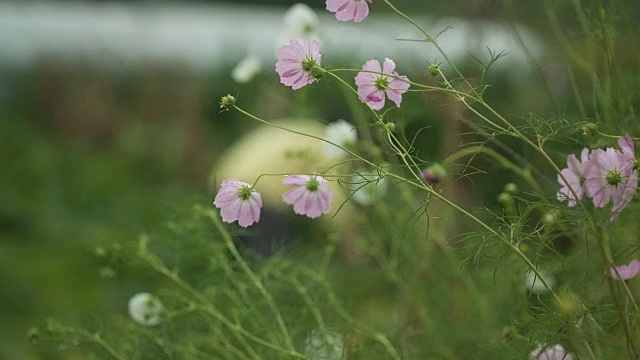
208 307
256 282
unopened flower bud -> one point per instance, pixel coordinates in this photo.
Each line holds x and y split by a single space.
511 188
434 173
107 273
391 126
550 217
145 309
100 251
434 69
589 129
227 102
568 304
504 197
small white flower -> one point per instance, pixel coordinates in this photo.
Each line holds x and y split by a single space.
320 346
340 133
300 22
555 352
247 69
535 285
145 309
368 187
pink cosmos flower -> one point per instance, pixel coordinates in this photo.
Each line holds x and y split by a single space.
556 352
296 62
311 195
626 271
372 87
574 174
611 177
626 146
238 201
346 10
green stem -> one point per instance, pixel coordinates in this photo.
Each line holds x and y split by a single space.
210 308
524 174
605 248
256 282
425 187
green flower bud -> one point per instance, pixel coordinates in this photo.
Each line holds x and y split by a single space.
504 198
568 304
589 129
227 102
434 69
107 273
100 251
434 173
511 188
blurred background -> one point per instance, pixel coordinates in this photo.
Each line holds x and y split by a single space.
110 126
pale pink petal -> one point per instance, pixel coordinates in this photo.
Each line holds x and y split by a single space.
365 79
397 87
372 65
300 81
395 96
292 196
361 11
627 146
372 96
229 213
626 271
326 192
356 10
299 207
376 100
584 155
399 83
573 164
334 5
257 199
388 66
287 67
297 180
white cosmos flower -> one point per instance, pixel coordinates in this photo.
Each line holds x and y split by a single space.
535 285
145 309
555 352
300 22
324 346
247 69
340 133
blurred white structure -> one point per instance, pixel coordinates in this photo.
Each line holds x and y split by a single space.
200 37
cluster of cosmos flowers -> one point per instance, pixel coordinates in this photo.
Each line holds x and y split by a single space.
238 201
299 65
604 175
299 62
